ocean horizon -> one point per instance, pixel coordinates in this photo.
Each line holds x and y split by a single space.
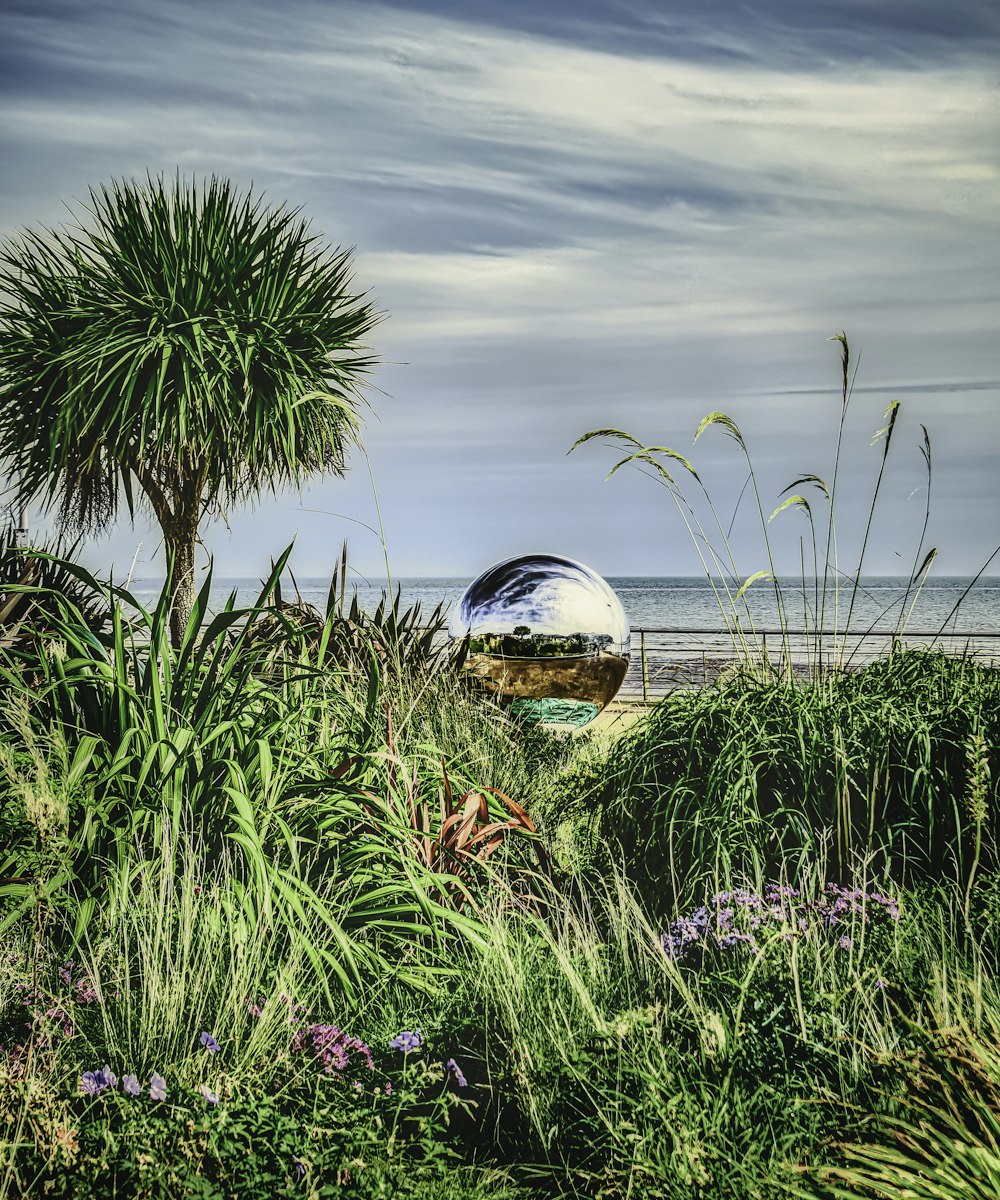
678 601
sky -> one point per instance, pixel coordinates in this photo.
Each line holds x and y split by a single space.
578 215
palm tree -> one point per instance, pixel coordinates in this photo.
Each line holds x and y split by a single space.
182 338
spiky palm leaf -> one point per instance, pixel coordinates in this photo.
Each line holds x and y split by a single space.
184 337
394 638
161 742
29 581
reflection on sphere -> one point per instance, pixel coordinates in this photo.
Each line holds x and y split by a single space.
547 634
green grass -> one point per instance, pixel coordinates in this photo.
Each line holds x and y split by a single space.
896 764
268 835
823 602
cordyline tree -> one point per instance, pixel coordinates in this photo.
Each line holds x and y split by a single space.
183 340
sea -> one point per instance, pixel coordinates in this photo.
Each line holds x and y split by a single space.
680 634
951 603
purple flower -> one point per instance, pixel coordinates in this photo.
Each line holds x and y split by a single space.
157 1087
329 1043
86 993
331 1046
684 933
210 1044
728 941
59 1015
363 1050
207 1094
300 1169
407 1041
92 1083
130 1084
880 984
783 891
456 1070
66 973
737 918
672 946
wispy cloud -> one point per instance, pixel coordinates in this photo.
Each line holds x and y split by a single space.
606 210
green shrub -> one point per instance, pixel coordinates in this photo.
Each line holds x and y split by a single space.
291 766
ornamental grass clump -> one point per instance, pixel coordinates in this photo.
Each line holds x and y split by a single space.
290 1086
826 593
940 1140
897 764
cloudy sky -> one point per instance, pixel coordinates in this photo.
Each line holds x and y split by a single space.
579 214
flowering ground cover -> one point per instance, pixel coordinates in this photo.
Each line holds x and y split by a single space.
282 917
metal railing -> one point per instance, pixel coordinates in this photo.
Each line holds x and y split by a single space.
665 659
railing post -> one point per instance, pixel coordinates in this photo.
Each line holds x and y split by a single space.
645 669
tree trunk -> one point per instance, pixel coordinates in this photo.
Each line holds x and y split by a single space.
175 498
179 541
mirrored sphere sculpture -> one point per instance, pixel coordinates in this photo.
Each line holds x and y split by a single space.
547 634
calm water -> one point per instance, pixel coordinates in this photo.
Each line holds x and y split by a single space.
688 603
691 645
